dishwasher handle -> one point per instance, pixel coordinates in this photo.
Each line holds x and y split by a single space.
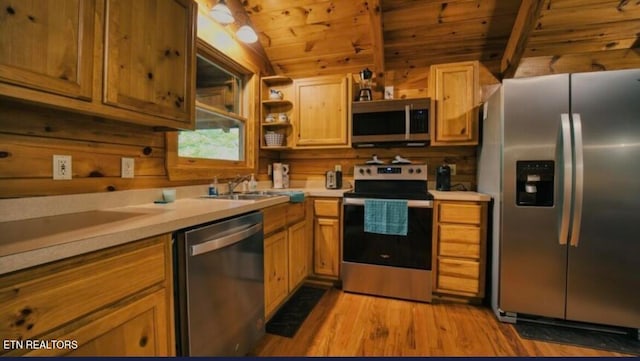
222 242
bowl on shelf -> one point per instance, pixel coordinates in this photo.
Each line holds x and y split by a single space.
273 139
270 118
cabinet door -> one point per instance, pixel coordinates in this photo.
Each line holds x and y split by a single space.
322 112
276 275
454 88
149 57
40 299
48 45
139 328
458 275
326 248
298 251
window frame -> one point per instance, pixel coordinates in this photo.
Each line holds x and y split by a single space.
187 168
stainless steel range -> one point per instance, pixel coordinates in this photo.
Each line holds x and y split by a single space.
391 265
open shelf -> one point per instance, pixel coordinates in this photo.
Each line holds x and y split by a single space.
276 107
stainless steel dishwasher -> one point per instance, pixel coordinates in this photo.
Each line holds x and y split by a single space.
219 287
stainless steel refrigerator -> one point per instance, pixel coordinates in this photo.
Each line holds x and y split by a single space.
561 158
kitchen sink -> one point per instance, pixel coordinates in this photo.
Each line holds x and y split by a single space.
252 196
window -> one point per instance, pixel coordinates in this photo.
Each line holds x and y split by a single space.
223 138
220 127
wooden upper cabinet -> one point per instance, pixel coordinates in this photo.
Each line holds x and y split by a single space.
148 56
133 61
454 90
47 45
322 112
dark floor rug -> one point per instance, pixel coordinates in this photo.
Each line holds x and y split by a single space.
622 343
290 316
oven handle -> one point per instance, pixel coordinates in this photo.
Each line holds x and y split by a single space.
411 203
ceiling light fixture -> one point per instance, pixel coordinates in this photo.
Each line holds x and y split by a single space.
221 13
246 34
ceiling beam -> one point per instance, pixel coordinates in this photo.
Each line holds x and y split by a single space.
526 19
375 19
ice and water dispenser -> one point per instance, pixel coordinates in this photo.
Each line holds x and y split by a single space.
534 183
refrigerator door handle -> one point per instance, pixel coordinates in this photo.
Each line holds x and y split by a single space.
567 172
579 180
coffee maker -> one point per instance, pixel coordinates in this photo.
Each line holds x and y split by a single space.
365 85
443 178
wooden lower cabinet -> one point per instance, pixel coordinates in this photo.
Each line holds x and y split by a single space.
298 254
460 249
276 265
286 253
113 302
326 237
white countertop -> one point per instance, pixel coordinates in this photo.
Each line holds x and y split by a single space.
44 229
460 196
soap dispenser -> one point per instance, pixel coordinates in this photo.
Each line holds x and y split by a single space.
253 185
213 187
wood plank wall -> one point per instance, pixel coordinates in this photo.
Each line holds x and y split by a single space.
312 164
408 83
30 136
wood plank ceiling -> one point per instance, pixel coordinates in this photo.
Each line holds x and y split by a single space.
315 37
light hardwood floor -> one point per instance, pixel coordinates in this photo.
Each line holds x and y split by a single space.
346 324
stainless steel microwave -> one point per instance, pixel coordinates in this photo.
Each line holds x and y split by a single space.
388 123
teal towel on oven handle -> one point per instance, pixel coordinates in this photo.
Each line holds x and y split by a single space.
386 216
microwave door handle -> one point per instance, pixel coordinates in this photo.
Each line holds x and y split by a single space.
407 121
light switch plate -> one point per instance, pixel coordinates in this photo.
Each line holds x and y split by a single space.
453 168
62 169
127 168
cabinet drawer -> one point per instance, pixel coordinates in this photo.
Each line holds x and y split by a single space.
39 299
326 207
460 213
459 241
458 275
274 218
458 233
455 249
295 212
458 284
458 268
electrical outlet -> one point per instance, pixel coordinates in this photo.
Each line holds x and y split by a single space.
62 167
127 167
453 168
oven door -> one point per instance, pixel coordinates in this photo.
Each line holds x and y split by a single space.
410 251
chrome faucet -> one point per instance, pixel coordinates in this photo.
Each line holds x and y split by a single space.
237 180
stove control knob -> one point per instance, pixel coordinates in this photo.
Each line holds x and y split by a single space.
410 170
418 170
368 171
361 171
